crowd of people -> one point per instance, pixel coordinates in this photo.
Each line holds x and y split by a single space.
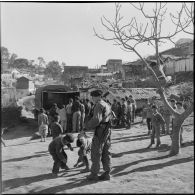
100 115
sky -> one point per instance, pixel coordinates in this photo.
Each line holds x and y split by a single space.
64 31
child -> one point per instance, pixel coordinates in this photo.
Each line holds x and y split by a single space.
157 120
84 143
129 112
2 141
56 128
43 124
57 152
180 109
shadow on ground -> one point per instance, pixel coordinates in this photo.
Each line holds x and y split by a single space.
117 171
18 182
26 157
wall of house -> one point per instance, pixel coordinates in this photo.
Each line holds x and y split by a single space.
114 65
31 87
8 96
183 65
20 93
22 83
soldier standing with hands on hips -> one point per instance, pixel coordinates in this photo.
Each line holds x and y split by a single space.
101 142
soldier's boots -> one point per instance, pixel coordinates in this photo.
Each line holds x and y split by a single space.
105 176
63 166
85 170
93 177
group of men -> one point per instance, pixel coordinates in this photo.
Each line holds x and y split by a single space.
124 111
71 116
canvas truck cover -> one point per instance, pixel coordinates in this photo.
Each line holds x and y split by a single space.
50 89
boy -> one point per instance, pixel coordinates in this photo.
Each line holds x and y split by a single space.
157 120
84 143
2 141
56 128
57 152
129 112
43 123
180 110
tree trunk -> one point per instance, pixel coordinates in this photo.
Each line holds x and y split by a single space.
175 137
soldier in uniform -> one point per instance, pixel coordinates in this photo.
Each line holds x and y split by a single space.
101 142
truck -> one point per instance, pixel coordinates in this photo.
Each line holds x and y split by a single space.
47 95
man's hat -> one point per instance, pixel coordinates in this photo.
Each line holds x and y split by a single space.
96 93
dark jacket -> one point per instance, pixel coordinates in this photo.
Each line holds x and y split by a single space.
124 109
56 147
56 129
76 106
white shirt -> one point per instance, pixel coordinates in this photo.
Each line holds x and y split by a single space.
62 114
180 110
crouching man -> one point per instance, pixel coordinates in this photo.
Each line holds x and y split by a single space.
57 152
101 142
84 144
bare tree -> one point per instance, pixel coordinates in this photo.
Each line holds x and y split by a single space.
184 18
128 36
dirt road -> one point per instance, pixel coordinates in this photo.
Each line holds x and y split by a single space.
26 165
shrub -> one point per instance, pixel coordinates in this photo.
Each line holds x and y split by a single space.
186 90
10 115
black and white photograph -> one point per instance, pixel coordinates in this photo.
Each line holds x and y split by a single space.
97 97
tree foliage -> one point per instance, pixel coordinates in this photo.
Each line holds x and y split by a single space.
4 55
20 63
53 69
12 60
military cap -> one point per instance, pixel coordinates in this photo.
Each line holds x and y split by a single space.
96 93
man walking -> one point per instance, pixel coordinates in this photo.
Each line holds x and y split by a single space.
101 143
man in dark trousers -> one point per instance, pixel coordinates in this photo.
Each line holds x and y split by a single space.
57 152
101 142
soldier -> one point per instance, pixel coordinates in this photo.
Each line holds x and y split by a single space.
101 143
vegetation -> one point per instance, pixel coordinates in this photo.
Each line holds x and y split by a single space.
10 116
52 69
